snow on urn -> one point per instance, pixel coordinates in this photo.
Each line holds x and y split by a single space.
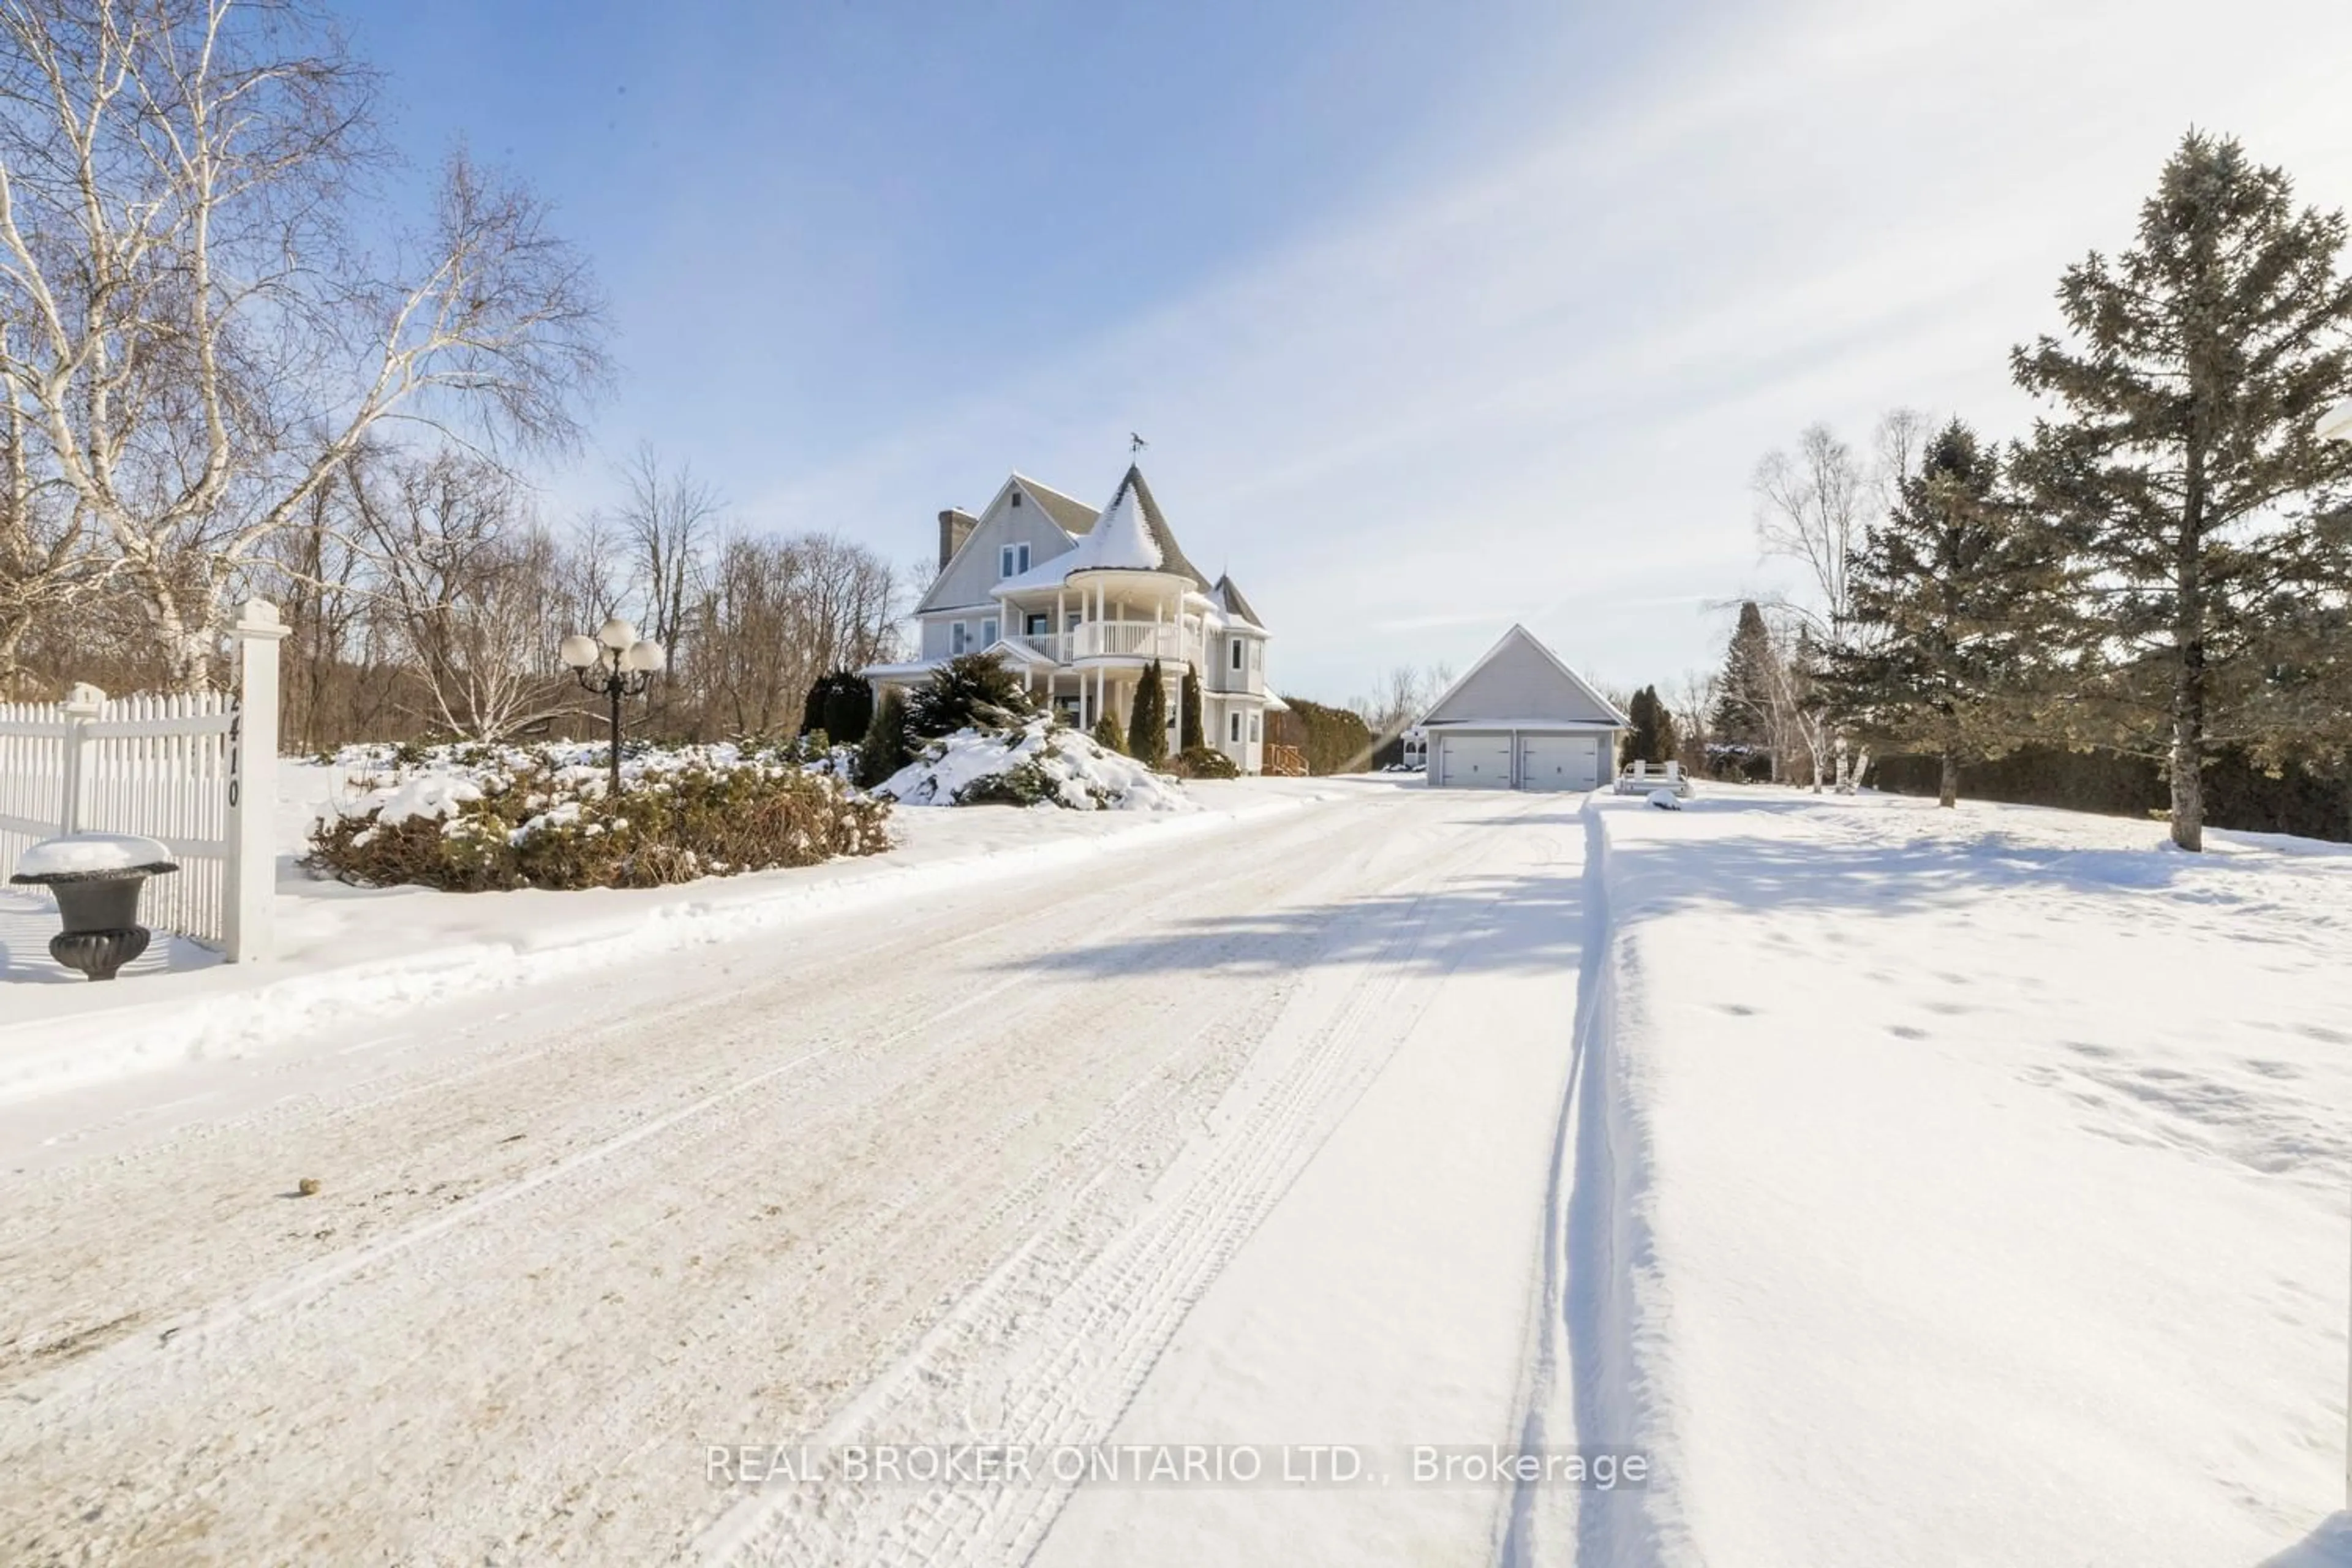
96 878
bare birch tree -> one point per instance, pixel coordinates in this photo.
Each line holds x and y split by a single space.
202 343
43 563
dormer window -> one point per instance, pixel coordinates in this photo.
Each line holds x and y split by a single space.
1012 560
1235 644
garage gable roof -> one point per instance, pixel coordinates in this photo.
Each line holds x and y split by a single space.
1521 679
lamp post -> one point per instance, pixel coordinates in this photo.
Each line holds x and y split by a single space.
2335 424
618 663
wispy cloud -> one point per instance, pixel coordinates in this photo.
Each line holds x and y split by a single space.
1535 390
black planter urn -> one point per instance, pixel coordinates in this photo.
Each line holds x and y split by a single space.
100 910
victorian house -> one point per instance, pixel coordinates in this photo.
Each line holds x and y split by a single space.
1081 601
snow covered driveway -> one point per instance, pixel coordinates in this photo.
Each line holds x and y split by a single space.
953 1166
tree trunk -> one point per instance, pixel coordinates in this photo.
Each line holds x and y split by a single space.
2189 677
1947 791
2188 750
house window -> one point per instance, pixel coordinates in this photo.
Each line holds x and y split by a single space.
1040 624
958 638
1236 643
1253 726
1233 725
1016 498
1012 560
988 632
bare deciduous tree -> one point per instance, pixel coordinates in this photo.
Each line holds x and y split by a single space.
776 614
1402 696
201 344
1813 506
467 572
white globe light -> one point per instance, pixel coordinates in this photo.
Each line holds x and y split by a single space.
646 656
578 652
617 635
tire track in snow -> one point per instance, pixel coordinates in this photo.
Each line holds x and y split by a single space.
68 1191
239 1321
1107 1310
1581 1385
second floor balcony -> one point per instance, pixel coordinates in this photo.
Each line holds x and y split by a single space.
1139 640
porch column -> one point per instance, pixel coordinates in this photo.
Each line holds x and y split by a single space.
1061 625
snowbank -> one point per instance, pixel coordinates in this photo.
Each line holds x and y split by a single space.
351 954
1038 765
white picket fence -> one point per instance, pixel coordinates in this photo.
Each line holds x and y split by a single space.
197 771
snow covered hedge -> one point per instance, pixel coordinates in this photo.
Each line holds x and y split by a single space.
474 818
1038 763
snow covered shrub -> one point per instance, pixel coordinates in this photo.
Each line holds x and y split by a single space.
1206 763
1107 735
1038 765
470 819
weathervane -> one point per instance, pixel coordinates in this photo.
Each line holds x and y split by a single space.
1135 444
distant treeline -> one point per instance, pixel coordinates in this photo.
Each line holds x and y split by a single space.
2238 793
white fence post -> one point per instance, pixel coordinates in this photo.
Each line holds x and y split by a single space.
253 789
83 704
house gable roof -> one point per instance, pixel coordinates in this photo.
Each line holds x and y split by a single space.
1073 515
1519 678
970 576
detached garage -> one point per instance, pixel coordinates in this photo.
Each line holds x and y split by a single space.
1522 720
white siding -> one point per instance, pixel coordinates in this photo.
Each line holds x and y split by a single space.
1518 680
973 576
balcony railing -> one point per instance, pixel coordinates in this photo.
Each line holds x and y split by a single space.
1127 640
1161 640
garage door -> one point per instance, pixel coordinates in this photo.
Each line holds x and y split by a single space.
1559 762
1474 762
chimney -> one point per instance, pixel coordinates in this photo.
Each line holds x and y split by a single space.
955 527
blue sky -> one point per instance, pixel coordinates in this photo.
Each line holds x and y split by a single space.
1436 317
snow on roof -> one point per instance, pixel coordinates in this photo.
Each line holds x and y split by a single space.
1119 541
1128 536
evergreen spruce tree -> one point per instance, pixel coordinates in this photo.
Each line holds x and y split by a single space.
1147 722
1746 694
1945 597
886 747
971 691
1190 734
1652 738
2181 453
1108 735
849 708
